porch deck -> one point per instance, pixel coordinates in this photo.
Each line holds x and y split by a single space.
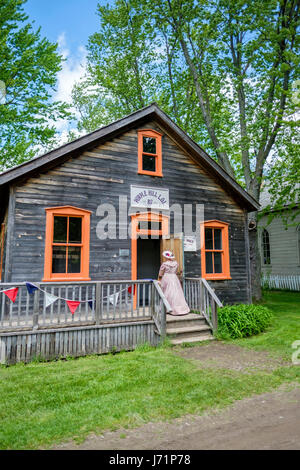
111 315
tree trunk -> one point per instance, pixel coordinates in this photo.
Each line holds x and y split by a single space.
255 258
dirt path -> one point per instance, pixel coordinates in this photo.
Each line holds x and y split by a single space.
267 421
219 355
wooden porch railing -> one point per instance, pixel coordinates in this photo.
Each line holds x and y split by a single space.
101 302
202 298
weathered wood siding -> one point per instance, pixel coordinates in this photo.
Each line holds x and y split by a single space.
284 246
82 341
100 176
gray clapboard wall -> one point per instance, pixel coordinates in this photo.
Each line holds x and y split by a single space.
284 246
101 175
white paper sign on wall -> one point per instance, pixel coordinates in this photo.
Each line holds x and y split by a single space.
190 243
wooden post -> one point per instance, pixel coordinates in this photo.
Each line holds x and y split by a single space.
152 305
36 307
201 297
163 320
214 314
98 312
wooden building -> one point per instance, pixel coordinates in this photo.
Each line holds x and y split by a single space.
146 174
143 152
279 244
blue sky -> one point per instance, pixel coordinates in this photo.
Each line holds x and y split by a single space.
70 23
77 19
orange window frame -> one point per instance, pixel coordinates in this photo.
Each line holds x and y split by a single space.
158 155
67 211
215 224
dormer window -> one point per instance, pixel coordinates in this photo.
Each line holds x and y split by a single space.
149 153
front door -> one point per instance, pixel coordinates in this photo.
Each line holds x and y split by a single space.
148 258
148 264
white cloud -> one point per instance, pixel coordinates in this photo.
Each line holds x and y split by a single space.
72 71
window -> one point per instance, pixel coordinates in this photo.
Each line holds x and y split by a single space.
67 244
149 152
214 250
266 247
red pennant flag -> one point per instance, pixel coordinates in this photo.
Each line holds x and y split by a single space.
73 304
130 289
12 294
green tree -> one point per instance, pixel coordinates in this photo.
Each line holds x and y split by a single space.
28 72
222 69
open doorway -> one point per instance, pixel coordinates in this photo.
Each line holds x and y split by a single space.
148 258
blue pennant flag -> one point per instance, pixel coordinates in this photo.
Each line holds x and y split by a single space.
31 287
91 304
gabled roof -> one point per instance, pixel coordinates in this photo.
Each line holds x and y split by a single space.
265 199
59 155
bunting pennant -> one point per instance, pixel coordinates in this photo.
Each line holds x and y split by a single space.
31 287
49 299
12 293
114 298
130 289
73 305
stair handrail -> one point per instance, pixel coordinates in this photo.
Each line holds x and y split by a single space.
160 317
214 304
212 292
204 299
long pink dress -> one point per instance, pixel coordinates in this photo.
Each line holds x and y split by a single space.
172 289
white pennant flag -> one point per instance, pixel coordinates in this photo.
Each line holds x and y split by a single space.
49 299
114 298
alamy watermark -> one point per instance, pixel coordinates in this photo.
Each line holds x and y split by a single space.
115 222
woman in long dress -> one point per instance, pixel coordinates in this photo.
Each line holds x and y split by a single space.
171 286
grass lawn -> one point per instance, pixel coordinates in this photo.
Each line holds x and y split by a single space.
285 327
46 403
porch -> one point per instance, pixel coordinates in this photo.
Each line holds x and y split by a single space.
108 316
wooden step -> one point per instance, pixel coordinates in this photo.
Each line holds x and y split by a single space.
192 339
189 316
194 330
189 328
185 320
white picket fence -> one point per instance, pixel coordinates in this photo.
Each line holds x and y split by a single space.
280 282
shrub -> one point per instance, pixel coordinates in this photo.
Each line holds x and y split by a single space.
238 321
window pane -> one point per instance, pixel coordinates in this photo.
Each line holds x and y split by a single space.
218 262
218 239
266 247
75 229
149 163
59 259
146 225
149 145
74 259
209 264
60 229
208 239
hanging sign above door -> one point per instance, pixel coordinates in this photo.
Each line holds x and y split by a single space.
154 198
